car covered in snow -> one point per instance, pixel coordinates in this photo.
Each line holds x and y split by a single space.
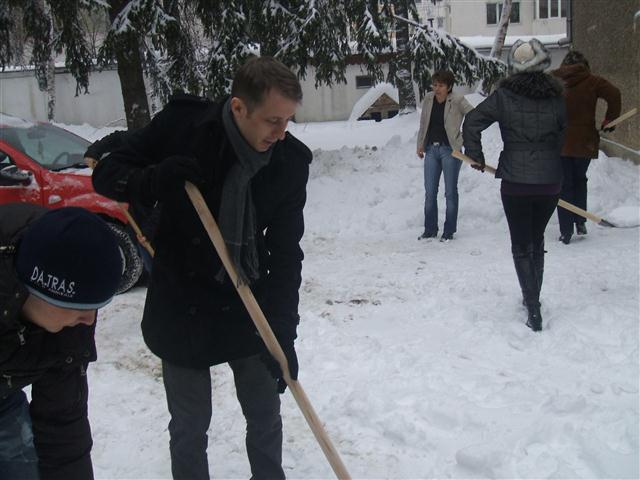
43 164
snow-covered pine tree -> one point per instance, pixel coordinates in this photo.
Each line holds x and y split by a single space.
400 64
498 42
134 25
50 27
196 45
434 49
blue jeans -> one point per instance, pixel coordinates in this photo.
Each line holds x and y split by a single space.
18 458
438 159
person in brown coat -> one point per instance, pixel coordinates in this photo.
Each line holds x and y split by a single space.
581 140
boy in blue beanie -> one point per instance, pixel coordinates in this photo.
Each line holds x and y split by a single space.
57 267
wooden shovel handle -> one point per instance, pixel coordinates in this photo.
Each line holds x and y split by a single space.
621 118
561 203
92 163
266 333
141 238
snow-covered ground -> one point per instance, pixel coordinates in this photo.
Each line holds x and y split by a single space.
415 354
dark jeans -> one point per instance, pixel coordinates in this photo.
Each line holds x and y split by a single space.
574 191
18 458
189 400
61 430
59 422
527 217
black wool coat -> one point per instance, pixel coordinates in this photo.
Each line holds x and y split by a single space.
530 110
190 318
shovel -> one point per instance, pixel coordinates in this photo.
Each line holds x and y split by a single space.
621 118
572 208
266 333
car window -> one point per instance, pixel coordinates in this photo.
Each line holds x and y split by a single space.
50 146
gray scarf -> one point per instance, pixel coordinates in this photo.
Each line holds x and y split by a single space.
237 217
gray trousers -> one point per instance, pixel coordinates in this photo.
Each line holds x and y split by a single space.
189 399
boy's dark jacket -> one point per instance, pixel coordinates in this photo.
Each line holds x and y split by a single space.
191 319
26 350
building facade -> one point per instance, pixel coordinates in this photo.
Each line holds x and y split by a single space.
463 18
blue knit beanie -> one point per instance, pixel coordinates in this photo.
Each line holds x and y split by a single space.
70 258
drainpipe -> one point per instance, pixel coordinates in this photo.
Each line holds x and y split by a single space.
569 38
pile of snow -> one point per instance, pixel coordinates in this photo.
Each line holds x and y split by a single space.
415 354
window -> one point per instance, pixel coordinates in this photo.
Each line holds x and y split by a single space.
364 81
440 21
50 146
552 8
494 11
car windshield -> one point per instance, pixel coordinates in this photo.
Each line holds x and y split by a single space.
52 147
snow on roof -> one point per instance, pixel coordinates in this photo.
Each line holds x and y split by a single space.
480 41
9 121
370 97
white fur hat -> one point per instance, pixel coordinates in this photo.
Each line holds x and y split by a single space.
529 56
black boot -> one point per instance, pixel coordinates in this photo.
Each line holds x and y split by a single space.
523 259
538 262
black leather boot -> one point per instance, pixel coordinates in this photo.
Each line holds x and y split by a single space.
523 259
538 262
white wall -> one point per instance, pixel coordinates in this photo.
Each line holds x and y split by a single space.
330 103
20 96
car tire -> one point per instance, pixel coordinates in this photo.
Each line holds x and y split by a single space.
130 257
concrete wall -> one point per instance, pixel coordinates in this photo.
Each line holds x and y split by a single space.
20 96
611 43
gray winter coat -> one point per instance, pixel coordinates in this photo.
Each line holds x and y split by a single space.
530 110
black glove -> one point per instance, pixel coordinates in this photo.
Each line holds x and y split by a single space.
480 163
286 342
607 130
169 175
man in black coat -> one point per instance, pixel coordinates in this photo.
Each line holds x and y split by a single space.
56 269
253 175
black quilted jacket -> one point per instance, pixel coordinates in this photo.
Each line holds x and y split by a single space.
530 110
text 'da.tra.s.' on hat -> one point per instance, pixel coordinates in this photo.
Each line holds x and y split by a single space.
70 258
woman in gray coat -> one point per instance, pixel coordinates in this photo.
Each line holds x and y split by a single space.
529 108
439 134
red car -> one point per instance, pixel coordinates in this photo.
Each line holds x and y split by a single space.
43 164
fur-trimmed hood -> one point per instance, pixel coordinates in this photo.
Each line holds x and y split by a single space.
536 85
